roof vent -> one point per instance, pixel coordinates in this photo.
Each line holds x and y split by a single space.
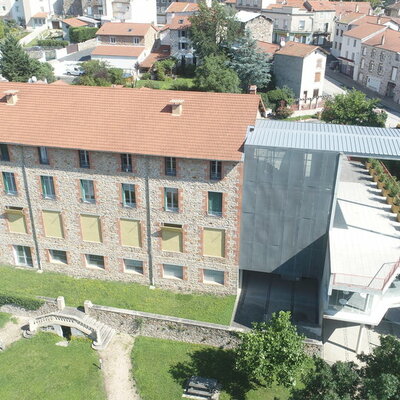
253 89
180 21
177 106
11 97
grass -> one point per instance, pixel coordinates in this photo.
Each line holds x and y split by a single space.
117 294
161 368
36 369
4 318
301 117
168 84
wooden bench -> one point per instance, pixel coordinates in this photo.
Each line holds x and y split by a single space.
199 388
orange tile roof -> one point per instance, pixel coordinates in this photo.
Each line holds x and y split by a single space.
265 47
60 83
296 49
387 40
124 29
321 5
349 17
374 19
342 7
365 30
74 22
118 51
40 15
289 3
212 125
182 7
162 52
180 22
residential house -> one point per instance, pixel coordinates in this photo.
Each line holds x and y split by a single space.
302 68
165 7
253 5
181 9
393 10
124 45
380 64
12 9
76 22
343 7
259 26
267 48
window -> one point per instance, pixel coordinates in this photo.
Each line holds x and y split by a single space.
302 25
214 242
371 66
307 164
136 40
91 228
128 195
58 256
48 191
340 46
382 56
172 271
183 46
43 156
23 256
352 56
87 191
130 232
393 75
305 94
317 77
354 43
133 266
112 40
364 51
213 276
94 261
373 52
397 57
215 203
84 161
170 166
335 45
348 41
171 236
52 223
16 220
315 93
215 170
10 186
5 155
380 69
337 32
126 162
362 65
171 199
319 63
341 32
347 54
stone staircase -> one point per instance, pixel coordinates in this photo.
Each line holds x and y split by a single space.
100 333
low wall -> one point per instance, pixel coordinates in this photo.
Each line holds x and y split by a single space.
89 44
49 306
36 33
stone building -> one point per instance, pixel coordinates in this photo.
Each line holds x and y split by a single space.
393 10
147 190
259 26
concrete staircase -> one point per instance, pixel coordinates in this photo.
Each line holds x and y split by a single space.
100 333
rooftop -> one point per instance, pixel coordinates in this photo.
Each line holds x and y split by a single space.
180 22
321 5
350 17
364 31
124 29
343 7
212 125
388 40
161 53
297 49
246 16
265 47
118 51
351 140
182 7
74 22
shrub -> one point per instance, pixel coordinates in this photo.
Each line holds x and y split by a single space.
52 43
283 112
278 96
393 188
152 84
28 303
181 84
82 33
146 76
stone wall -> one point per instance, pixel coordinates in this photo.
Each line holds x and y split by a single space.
261 28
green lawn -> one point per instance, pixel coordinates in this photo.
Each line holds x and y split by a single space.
37 369
116 294
4 318
161 367
168 84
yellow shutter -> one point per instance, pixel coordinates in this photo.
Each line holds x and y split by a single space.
52 224
130 232
171 239
214 242
16 221
91 229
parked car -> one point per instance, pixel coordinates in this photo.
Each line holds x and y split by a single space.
75 70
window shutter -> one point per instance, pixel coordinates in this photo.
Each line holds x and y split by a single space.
130 233
91 228
214 242
52 224
16 221
171 239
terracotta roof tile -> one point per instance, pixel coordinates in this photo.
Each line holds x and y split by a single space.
180 22
289 3
342 7
265 47
121 51
182 7
388 40
40 15
74 22
162 52
212 126
349 17
124 29
296 49
321 5
365 30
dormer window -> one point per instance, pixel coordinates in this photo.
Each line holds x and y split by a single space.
112 40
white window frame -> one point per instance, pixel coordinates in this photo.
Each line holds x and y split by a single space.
56 260
23 256
213 281
171 199
215 170
135 268
113 40
84 159
89 261
131 201
9 177
43 155
87 191
172 276
126 162
48 188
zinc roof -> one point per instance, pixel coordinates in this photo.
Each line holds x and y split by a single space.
359 141
212 125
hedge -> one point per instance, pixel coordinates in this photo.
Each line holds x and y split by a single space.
28 303
52 43
82 33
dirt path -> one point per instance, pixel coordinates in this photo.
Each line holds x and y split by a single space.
12 332
117 368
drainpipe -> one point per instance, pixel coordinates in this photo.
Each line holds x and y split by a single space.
28 199
148 220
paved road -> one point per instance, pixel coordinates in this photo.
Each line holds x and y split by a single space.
83 55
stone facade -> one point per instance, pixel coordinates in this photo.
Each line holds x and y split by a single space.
192 181
72 7
260 28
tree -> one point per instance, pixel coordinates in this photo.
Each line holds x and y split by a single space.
213 29
164 67
353 108
252 67
98 73
2 29
271 351
339 382
213 75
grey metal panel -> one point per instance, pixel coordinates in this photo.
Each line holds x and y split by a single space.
352 140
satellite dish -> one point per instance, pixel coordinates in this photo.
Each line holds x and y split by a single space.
282 43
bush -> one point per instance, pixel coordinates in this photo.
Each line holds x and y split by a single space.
82 33
283 112
146 76
52 43
152 84
180 84
279 95
28 303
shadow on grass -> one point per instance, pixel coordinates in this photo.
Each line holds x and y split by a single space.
213 363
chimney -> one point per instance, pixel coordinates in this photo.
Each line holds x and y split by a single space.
383 40
378 20
11 97
357 8
253 89
177 106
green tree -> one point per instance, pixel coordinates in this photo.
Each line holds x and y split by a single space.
337 382
213 29
252 67
279 99
353 108
271 351
213 75
98 73
163 68
2 29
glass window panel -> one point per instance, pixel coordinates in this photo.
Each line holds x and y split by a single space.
10 186
134 266
172 271
213 276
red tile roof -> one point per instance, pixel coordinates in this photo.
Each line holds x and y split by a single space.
349 17
374 19
321 5
40 15
342 7
365 30
118 51
161 53
124 29
265 47
388 40
212 125
182 7
180 22
289 3
74 22
296 49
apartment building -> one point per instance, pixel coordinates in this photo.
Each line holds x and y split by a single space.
380 64
12 9
148 190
